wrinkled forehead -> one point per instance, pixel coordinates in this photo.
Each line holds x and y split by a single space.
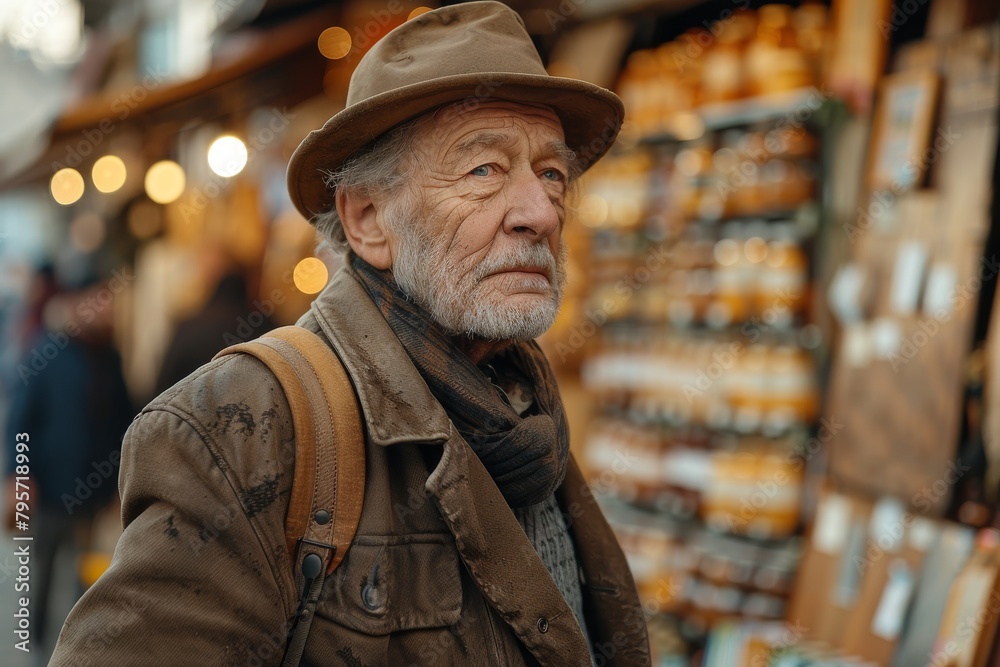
492 114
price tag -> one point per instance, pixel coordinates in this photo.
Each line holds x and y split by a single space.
939 298
888 524
857 345
845 294
886 338
908 277
888 620
832 520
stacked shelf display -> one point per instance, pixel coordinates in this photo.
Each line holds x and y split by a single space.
705 371
714 238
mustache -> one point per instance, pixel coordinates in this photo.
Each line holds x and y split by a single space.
535 256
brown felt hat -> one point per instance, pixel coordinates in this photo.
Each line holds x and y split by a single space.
472 51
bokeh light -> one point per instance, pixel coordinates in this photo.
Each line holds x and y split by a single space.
417 12
592 210
108 173
165 181
310 275
756 249
227 156
334 43
66 186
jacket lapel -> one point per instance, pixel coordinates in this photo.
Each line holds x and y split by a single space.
501 559
618 623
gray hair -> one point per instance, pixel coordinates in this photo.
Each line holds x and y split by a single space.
379 169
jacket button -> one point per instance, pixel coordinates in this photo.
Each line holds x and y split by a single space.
369 598
543 625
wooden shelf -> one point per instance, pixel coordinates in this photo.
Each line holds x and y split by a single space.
721 115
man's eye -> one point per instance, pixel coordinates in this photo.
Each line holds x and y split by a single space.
481 170
552 175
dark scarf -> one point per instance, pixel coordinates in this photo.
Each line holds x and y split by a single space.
527 455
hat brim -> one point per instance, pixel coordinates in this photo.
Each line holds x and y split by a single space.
591 117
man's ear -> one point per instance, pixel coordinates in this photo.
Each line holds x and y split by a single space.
359 214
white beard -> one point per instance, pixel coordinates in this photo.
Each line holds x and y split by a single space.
459 301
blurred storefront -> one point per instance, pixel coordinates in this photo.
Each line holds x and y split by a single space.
776 349
786 273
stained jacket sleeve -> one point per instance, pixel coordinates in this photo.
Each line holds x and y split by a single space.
200 575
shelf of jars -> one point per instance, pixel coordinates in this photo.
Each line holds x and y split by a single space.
702 281
692 579
703 360
704 370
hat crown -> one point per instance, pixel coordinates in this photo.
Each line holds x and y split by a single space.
471 38
463 53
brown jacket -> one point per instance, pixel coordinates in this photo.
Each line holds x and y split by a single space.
440 572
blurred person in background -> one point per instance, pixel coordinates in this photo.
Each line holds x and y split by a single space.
445 182
20 324
21 320
42 288
71 400
223 320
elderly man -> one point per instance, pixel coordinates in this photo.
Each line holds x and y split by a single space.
445 181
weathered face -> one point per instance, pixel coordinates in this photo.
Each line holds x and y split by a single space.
477 241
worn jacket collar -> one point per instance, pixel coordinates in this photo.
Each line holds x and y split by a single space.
343 311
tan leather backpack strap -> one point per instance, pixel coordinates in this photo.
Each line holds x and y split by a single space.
329 480
339 484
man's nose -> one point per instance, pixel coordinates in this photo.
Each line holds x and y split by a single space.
531 210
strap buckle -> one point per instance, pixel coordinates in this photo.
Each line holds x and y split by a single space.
332 548
312 568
